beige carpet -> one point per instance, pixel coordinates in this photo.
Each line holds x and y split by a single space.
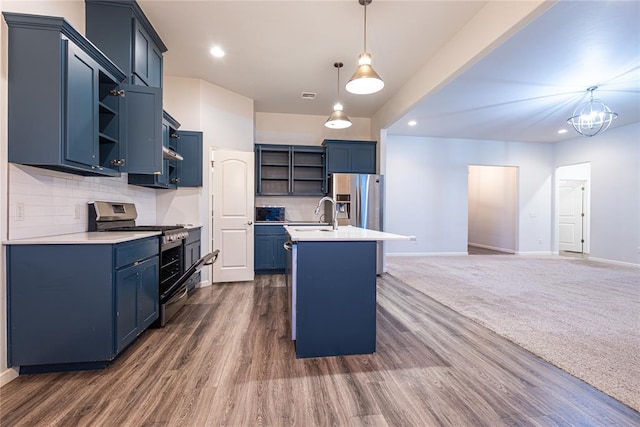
582 316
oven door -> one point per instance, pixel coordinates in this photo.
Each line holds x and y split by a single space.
178 288
175 297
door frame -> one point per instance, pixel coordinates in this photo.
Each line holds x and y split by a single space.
576 172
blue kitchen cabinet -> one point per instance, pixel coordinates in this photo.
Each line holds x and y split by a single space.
175 173
136 300
189 170
334 287
192 253
69 109
345 156
77 306
269 253
290 170
121 30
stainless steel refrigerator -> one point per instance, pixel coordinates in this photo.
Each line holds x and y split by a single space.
359 202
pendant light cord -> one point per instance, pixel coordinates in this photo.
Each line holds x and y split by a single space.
365 26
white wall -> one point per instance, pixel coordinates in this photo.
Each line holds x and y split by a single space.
226 121
615 189
427 195
298 129
493 207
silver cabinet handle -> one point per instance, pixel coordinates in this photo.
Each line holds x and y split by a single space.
288 245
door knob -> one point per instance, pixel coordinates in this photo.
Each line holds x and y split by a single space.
249 222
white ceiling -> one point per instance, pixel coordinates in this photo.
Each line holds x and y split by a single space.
524 90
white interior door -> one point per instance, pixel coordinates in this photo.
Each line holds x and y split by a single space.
572 215
232 215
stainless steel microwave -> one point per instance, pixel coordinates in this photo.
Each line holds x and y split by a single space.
269 213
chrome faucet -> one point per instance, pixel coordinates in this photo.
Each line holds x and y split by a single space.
333 202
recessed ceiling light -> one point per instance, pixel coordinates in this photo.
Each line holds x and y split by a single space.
217 51
562 131
412 123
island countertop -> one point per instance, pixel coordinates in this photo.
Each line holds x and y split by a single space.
343 233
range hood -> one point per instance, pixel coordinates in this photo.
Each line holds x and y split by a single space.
169 154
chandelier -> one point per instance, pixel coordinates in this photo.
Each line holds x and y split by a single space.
592 117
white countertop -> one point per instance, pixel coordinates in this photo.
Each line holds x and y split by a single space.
344 233
91 237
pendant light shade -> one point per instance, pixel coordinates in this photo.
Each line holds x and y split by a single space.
338 119
365 80
592 117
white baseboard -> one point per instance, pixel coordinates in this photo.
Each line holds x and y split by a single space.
534 253
7 376
493 248
203 284
399 254
610 261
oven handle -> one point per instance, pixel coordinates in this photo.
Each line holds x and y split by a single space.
169 293
215 257
177 297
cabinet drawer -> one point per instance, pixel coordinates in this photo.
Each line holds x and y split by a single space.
128 253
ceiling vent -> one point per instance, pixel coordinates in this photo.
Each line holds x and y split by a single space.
308 95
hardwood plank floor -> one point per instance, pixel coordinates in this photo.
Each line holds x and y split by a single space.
226 359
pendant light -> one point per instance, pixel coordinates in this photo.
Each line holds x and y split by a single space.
338 119
592 117
365 80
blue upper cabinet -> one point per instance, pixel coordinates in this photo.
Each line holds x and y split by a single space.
344 156
189 170
175 173
64 99
122 31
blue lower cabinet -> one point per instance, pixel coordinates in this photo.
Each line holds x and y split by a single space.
75 307
269 254
136 300
192 253
335 298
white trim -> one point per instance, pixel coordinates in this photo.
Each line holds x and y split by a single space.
535 253
493 248
398 254
610 261
7 376
203 284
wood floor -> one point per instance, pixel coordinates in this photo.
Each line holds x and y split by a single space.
226 359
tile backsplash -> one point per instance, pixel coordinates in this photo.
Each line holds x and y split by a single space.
46 203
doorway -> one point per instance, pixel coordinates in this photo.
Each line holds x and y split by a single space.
493 209
232 213
573 209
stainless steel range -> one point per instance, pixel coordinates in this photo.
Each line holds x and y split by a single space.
115 216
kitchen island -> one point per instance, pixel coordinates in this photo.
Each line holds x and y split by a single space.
332 292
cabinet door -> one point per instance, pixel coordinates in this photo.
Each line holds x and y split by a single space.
141 130
190 169
363 158
163 179
279 253
148 298
127 306
147 58
263 259
338 159
82 107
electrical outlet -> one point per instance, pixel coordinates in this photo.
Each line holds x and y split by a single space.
76 212
539 241
20 211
